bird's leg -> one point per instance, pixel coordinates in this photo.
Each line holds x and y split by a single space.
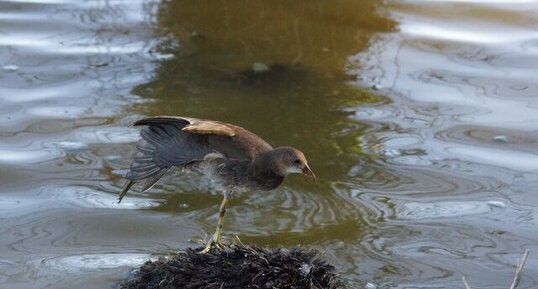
222 211
215 239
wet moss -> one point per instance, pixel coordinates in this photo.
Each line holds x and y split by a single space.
238 266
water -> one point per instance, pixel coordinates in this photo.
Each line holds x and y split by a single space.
419 118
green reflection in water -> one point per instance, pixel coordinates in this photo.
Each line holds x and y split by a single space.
277 68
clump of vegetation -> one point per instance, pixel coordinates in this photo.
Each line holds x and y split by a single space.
238 266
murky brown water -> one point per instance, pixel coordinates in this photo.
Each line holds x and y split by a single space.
420 119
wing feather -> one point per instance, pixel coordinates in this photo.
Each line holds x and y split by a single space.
177 141
209 127
182 133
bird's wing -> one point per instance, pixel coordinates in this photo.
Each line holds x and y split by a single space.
173 141
191 125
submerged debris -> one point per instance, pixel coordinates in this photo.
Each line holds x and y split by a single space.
238 266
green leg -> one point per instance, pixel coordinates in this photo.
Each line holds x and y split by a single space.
215 239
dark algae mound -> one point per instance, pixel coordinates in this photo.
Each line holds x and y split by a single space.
238 266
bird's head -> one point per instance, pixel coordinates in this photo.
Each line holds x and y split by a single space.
289 160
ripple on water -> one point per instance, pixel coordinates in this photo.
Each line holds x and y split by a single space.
464 94
477 35
492 137
90 198
67 69
18 204
90 262
113 134
433 210
73 147
430 200
17 156
32 148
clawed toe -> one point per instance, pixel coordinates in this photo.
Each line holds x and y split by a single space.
214 242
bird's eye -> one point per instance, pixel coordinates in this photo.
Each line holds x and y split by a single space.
297 161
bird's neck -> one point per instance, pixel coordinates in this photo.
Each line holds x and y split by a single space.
266 163
265 171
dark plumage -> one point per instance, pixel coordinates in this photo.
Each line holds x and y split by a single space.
235 159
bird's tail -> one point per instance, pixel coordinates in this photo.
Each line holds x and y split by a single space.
125 189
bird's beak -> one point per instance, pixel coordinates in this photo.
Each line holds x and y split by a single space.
308 173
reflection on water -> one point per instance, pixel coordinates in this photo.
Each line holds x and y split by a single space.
299 100
462 147
222 39
420 125
95 262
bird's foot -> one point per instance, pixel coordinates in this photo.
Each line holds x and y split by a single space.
214 242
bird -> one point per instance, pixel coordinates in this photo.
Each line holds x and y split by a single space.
233 158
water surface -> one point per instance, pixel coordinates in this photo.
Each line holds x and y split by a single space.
419 118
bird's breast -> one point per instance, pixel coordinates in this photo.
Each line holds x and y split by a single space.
237 175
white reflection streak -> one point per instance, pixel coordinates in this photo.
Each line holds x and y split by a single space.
97 262
512 159
491 36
